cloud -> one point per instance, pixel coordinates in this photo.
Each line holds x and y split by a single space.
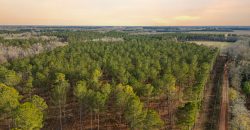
186 18
160 21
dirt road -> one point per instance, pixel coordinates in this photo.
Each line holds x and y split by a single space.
208 116
223 122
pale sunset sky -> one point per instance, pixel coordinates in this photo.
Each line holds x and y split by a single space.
125 12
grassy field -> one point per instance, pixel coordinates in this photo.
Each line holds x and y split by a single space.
220 45
237 32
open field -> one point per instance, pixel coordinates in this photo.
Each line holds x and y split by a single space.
237 32
220 45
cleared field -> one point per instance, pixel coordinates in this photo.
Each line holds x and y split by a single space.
237 32
242 32
220 45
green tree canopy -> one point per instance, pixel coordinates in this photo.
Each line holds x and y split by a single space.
9 98
9 77
152 120
39 102
186 115
60 89
80 90
28 117
246 87
134 113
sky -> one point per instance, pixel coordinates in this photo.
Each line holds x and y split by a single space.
125 12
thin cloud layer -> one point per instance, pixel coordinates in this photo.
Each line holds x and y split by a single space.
186 18
125 12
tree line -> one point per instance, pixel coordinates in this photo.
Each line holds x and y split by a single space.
239 77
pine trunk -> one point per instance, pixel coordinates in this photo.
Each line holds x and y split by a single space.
81 115
60 116
91 120
98 116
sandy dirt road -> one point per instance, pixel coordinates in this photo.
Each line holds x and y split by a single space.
223 121
208 117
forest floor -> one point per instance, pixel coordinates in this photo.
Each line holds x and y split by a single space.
248 103
223 122
209 113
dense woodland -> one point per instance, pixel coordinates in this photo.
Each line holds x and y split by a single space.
24 43
123 77
239 77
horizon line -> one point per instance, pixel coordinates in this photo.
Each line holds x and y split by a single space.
44 25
